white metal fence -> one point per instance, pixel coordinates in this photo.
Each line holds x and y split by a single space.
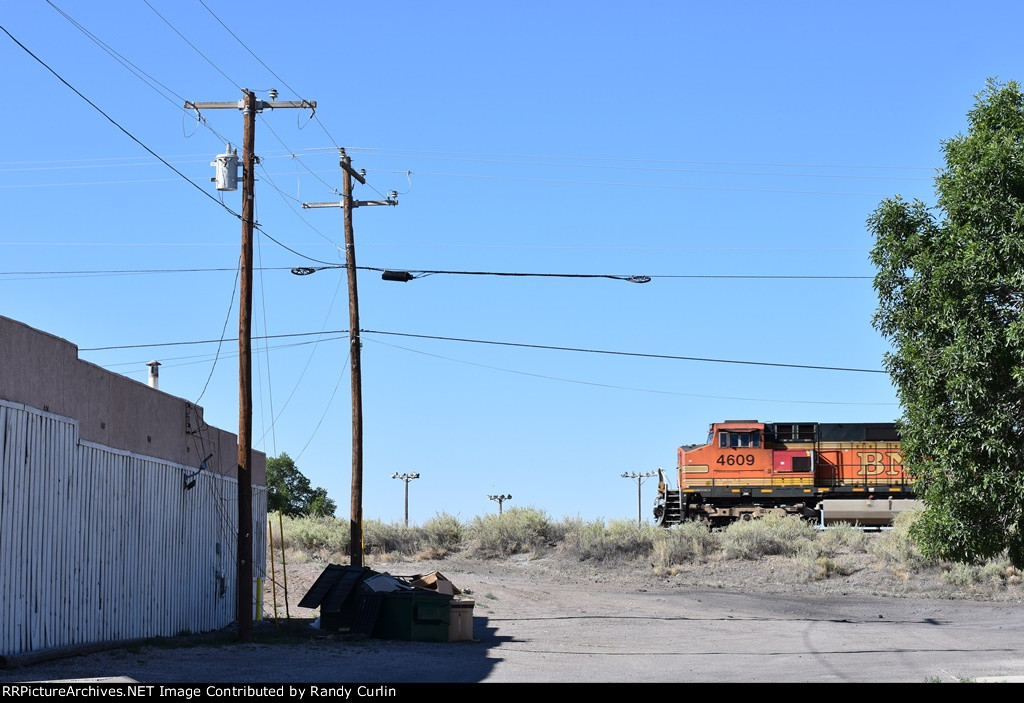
98 544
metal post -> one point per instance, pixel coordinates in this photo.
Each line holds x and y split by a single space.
639 480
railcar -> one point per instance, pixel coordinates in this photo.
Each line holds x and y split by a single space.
827 472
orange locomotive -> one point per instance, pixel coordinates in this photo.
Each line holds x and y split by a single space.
829 472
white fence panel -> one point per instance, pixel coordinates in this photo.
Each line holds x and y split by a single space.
98 544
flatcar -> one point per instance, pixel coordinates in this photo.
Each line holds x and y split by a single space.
826 472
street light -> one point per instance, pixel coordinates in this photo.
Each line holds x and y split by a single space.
406 478
639 480
501 499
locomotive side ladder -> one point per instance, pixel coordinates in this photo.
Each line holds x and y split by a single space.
668 505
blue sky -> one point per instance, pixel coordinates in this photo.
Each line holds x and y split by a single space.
667 139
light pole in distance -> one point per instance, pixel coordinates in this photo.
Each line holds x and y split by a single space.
639 480
501 499
406 478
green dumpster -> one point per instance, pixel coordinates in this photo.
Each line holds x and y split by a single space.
417 615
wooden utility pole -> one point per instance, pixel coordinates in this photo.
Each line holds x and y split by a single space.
244 553
348 204
249 106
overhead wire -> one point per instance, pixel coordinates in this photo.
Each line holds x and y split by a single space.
272 72
425 272
194 47
646 355
672 357
309 359
403 152
231 305
266 350
284 196
135 70
618 387
327 407
194 359
620 184
652 169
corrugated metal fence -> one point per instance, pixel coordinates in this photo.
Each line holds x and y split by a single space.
98 544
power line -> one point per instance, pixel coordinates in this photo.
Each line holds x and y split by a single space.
115 123
405 152
162 160
421 245
207 341
427 272
622 353
132 68
652 169
620 184
671 357
227 317
617 387
194 47
263 63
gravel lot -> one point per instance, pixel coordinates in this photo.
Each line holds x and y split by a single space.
549 619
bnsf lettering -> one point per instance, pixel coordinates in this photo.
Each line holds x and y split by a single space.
735 460
879 463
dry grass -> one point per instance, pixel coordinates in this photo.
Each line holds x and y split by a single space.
818 555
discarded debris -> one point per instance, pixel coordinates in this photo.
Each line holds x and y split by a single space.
435 581
360 601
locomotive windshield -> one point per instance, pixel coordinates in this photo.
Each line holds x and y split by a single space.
739 439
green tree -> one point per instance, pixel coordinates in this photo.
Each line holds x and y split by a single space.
950 284
290 492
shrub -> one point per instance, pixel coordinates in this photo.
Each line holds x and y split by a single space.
839 538
825 567
517 530
772 534
318 536
898 547
620 539
960 575
441 534
389 538
688 542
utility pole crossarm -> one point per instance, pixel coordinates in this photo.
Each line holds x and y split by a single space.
307 206
240 104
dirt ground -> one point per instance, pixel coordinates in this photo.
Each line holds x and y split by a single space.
549 618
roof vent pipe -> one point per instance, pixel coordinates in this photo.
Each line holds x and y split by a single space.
154 374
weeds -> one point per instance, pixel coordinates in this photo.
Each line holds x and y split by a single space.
770 535
689 542
517 531
618 540
526 530
897 546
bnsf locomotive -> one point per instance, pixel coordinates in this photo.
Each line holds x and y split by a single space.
827 472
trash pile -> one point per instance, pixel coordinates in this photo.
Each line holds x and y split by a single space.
360 601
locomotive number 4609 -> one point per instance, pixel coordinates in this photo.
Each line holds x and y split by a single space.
736 460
